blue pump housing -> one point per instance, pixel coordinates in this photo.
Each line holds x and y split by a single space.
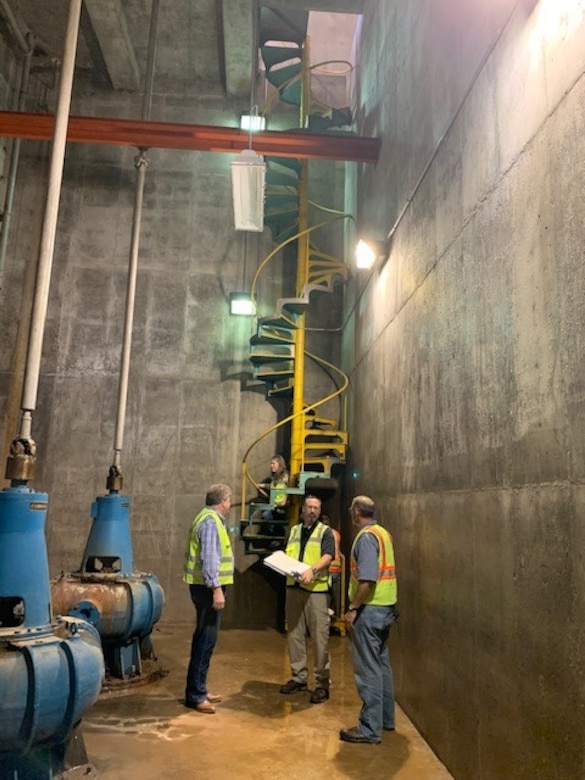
121 603
109 545
51 670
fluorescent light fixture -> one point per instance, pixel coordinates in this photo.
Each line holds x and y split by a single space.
367 252
248 180
241 303
252 123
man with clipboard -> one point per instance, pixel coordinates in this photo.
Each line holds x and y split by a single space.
307 600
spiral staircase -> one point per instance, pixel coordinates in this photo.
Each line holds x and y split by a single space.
318 442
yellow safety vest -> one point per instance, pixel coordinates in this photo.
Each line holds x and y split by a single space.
311 555
385 592
280 498
192 572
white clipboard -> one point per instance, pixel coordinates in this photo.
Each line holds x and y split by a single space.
284 564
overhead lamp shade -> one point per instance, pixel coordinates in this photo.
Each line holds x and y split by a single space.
252 123
241 304
248 179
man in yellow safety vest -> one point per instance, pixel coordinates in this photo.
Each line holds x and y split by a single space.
307 597
369 616
208 569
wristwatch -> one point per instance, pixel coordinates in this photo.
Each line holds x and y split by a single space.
314 570
351 608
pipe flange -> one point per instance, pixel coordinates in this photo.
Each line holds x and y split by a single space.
22 460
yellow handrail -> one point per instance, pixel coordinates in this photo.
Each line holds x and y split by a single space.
246 477
271 254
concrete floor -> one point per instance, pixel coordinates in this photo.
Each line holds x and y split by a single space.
256 732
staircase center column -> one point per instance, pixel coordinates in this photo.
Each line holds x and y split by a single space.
298 422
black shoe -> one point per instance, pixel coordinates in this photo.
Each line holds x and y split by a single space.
292 686
388 728
319 695
355 735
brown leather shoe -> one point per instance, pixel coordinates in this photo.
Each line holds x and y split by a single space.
214 698
206 707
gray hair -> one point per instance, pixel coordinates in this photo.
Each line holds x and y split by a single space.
217 493
364 505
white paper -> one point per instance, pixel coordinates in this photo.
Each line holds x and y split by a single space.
284 564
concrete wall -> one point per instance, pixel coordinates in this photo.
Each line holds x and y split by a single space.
190 416
466 352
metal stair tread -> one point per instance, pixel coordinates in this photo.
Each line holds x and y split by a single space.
327 462
277 320
266 353
298 304
324 435
279 77
274 55
280 389
269 338
288 163
316 420
274 370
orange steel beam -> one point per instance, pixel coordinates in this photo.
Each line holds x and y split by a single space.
169 135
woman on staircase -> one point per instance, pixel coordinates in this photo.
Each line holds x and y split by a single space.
274 516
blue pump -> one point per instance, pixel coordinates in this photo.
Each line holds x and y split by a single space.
121 603
51 669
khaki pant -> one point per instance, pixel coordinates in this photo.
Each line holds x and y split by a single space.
306 612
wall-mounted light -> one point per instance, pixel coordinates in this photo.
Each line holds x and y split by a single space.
248 180
252 123
241 304
368 252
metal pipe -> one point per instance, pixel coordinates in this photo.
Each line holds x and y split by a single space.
141 162
49 229
14 159
150 60
141 165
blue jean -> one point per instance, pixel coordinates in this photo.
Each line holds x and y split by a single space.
202 644
373 673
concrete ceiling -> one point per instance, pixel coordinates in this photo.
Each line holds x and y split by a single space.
204 43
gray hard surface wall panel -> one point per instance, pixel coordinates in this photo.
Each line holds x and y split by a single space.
465 355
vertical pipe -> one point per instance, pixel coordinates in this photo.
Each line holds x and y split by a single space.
14 159
141 163
150 59
49 229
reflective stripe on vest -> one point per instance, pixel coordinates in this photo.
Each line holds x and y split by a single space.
192 573
311 555
385 591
